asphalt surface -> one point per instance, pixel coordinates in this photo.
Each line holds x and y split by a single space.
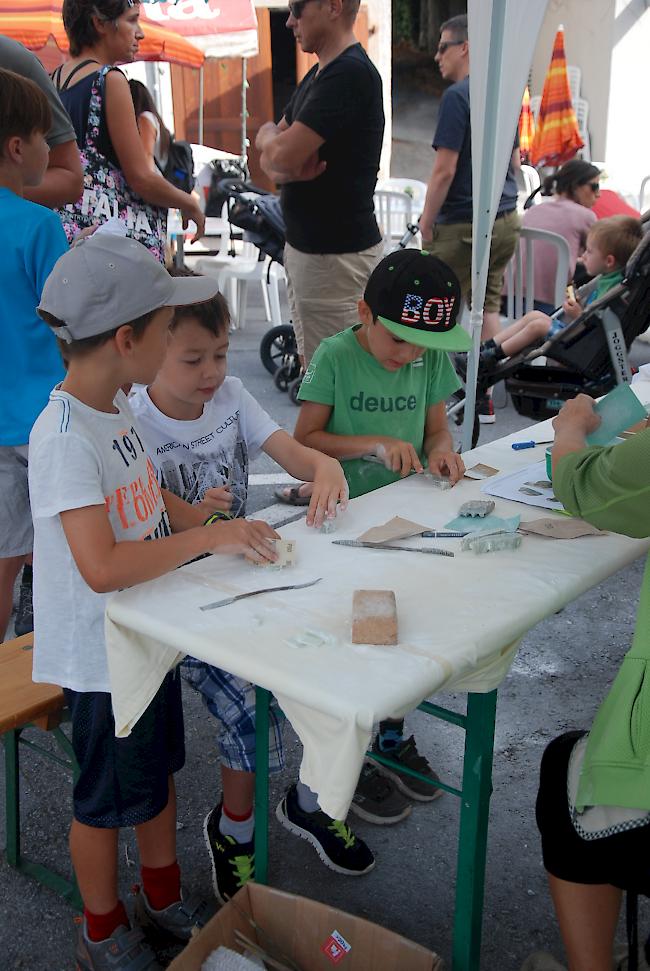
561 672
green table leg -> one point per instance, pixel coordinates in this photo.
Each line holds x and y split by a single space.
12 797
472 839
262 701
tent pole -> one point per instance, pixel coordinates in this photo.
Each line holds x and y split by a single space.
244 114
201 105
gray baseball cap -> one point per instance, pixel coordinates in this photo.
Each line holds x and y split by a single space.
106 280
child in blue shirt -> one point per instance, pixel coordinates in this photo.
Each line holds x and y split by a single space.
31 241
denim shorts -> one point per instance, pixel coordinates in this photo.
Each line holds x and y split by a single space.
232 702
124 781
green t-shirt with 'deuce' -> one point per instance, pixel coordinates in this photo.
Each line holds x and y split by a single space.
366 399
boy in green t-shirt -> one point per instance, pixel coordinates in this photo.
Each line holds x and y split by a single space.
377 391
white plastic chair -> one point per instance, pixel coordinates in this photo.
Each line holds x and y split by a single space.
642 193
520 293
414 188
575 77
535 102
528 182
394 210
234 274
581 108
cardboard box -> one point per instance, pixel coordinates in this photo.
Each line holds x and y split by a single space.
316 937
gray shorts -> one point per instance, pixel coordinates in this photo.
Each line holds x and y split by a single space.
16 533
324 290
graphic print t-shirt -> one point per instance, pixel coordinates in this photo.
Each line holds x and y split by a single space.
80 457
212 451
367 399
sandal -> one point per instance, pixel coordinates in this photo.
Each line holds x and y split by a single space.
291 496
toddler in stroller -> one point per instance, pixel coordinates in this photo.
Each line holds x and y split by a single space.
586 340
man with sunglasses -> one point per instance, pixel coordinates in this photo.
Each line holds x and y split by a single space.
446 221
325 155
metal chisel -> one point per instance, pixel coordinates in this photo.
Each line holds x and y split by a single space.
382 546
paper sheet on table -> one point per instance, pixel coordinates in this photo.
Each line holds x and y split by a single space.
395 528
524 485
564 528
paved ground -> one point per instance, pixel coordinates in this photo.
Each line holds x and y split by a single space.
559 675
561 672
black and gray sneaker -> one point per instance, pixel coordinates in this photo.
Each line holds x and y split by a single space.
179 922
377 800
406 755
335 843
125 950
24 622
233 863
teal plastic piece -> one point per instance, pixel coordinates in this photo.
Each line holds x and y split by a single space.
468 524
618 410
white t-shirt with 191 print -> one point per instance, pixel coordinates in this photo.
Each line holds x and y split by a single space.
81 457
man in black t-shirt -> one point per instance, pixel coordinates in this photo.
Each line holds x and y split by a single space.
325 155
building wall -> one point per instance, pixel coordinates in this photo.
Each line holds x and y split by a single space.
609 41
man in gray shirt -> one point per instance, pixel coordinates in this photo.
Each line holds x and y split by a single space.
63 181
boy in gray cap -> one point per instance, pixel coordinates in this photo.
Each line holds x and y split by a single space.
95 496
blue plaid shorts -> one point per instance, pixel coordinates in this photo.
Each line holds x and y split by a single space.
232 702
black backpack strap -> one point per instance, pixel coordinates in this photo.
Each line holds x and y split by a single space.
632 924
56 77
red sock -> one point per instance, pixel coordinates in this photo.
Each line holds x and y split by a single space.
235 818
162 885
101 926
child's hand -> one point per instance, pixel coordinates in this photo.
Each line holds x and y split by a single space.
398 456
329 487
571 308
216 500
447 463
249 537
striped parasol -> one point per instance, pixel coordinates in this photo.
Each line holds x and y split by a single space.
526 127
557 138
38 23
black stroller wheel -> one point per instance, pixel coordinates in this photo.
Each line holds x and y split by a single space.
276 345
293 390
282 377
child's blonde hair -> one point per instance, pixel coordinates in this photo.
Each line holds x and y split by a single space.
617 236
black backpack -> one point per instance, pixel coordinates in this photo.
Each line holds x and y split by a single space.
179 169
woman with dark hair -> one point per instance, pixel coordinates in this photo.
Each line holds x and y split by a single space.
118 178
154 135
574 189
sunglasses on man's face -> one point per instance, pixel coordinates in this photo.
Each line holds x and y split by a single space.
442 47
296 8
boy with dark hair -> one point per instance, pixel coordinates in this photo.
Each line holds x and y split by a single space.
31 240
202 428
378 391
95 497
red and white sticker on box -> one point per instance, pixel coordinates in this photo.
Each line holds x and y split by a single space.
336 947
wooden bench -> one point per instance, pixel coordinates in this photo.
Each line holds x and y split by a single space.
24 704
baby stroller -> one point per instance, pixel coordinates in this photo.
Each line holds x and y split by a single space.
588 356
259 214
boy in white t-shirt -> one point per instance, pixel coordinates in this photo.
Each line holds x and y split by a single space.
201 428
95 497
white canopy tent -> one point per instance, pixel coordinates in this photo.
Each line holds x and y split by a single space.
219 29
502 38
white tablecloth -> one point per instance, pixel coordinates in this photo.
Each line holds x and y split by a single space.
460 619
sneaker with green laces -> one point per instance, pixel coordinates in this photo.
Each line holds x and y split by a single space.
335 843
406 755
233 863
